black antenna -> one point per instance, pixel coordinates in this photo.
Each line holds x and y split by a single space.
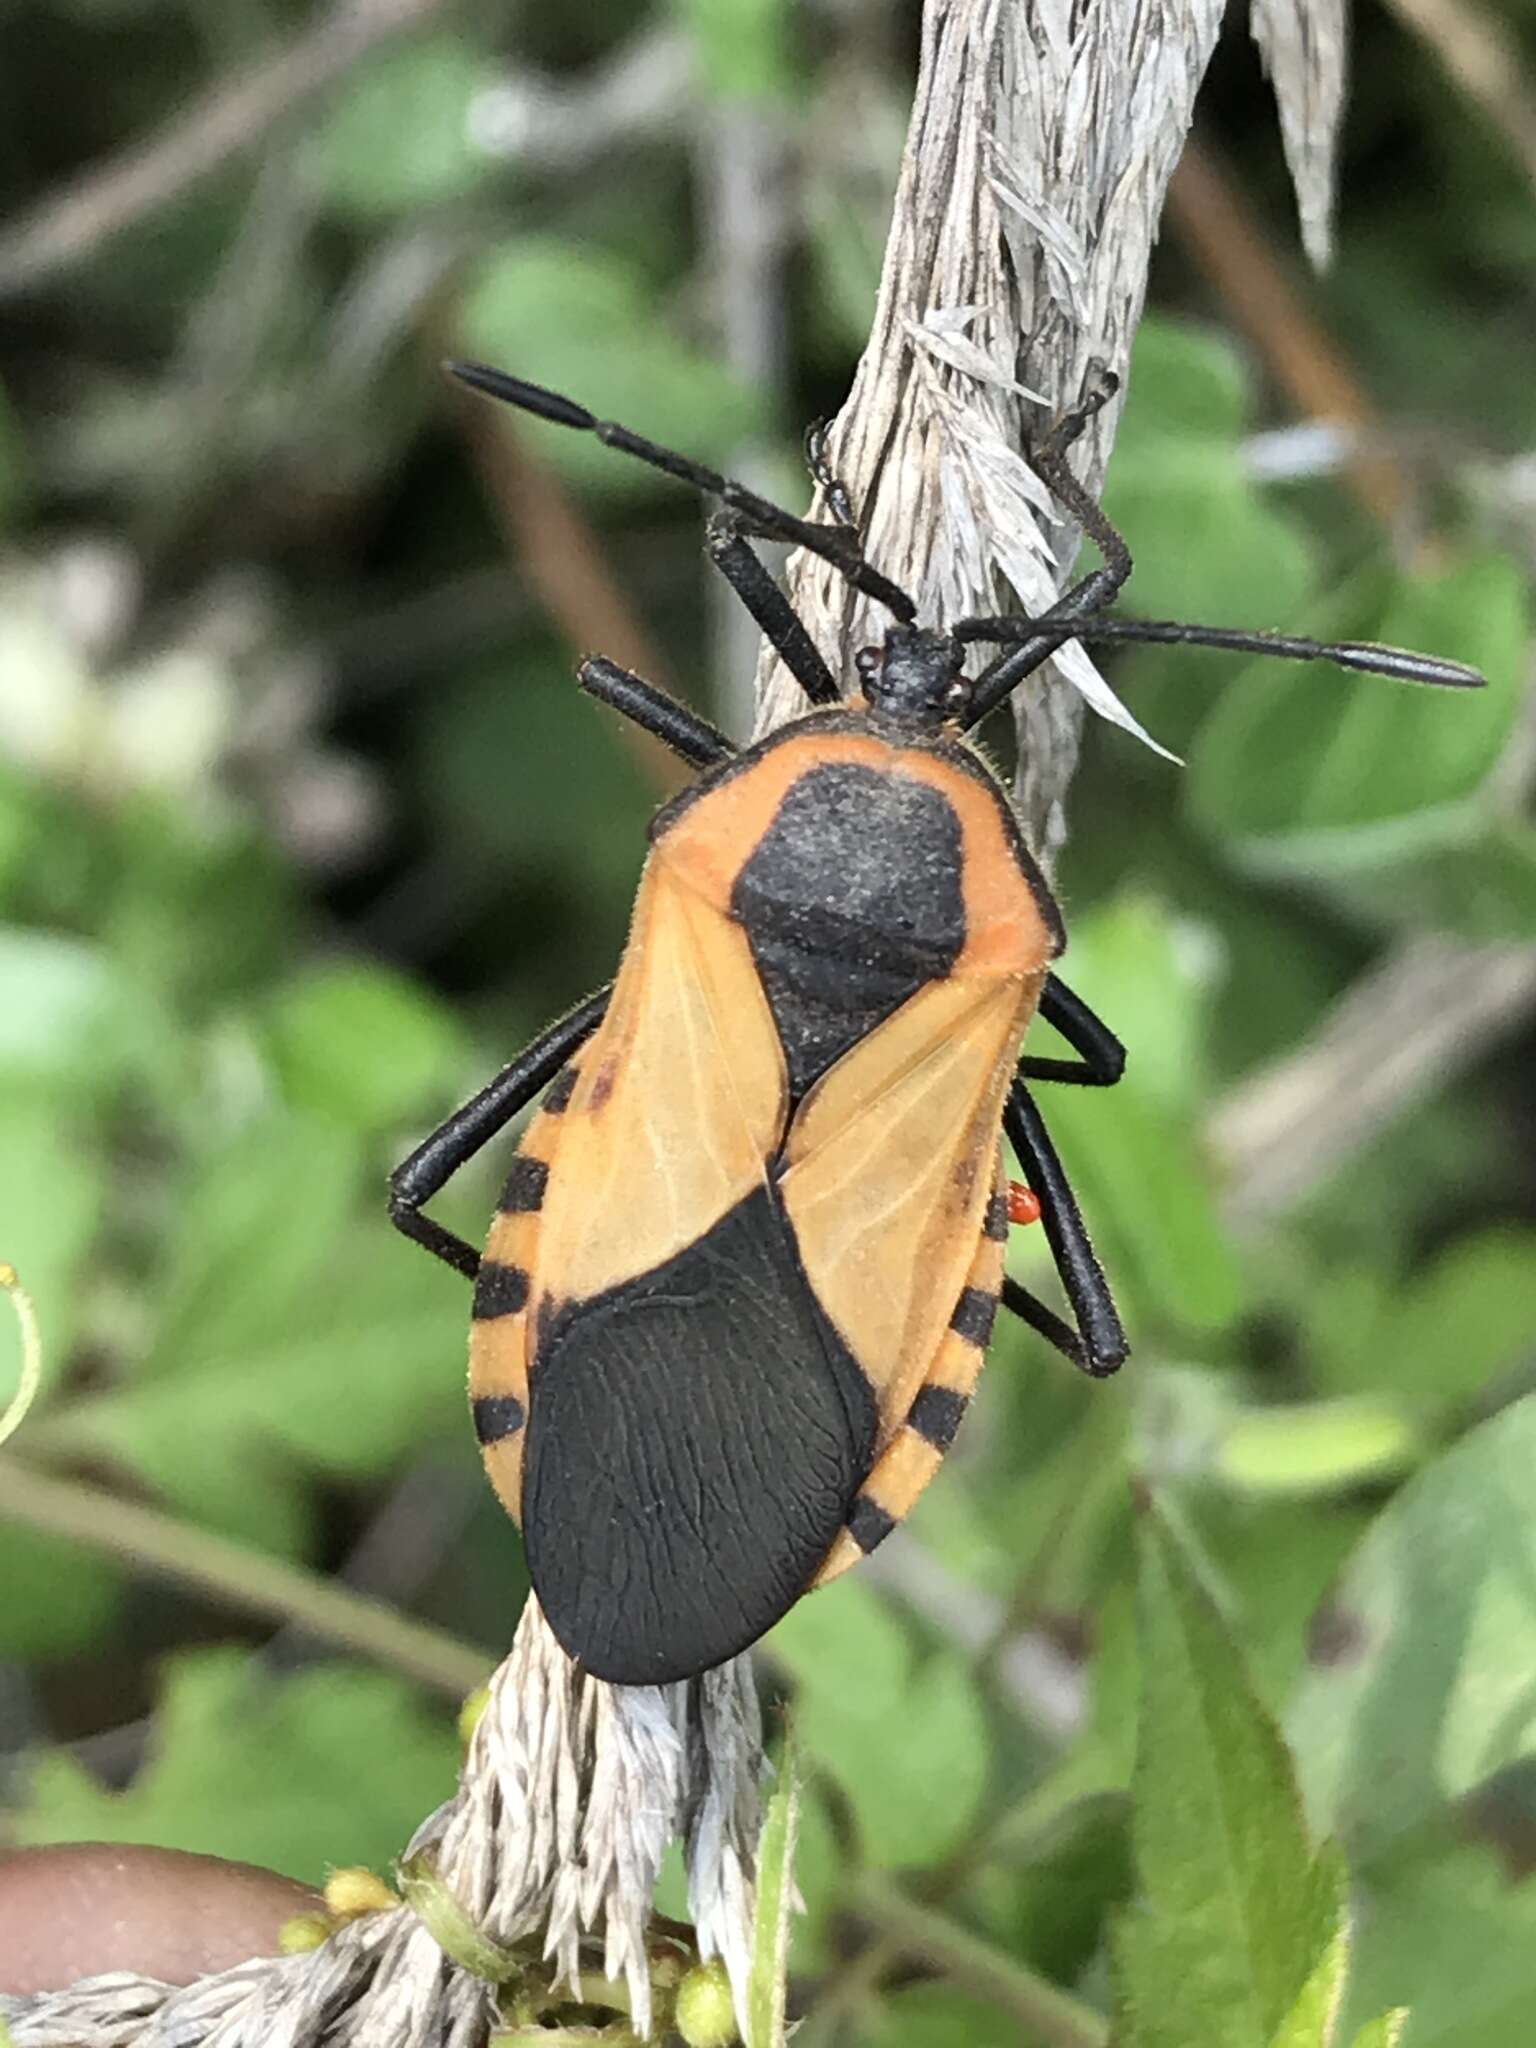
1082 614
838 545
1041 637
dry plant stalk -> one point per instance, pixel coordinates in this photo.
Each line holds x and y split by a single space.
1042 138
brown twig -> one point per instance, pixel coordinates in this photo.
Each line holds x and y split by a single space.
555 547
1210 215
1047 2013
102 202
237 1577
1484 59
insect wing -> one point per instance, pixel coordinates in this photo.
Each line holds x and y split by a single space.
679 1103
696 1430
892 1159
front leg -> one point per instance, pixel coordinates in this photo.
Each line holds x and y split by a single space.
434 1162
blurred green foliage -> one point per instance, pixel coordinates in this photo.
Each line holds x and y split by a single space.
303 830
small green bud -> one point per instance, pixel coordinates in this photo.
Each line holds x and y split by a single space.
353 1890
451 1927
296 1937
475 1704
705 2013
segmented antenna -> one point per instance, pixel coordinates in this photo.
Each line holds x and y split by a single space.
838 545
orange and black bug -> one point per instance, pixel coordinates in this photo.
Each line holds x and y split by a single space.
747 1259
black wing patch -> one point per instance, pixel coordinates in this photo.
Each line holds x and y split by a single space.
695 1439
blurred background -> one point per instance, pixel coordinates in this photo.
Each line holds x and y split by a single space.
304 830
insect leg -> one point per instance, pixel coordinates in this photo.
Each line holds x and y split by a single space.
835 543
1102 1059
1098 1343
417 1179
826 479
776 617
654 711
1093 592
1048 459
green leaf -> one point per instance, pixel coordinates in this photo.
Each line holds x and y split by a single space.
581 319
939 2016
1310 1447
1455 1942
1189 380
1206 543
347 1374
1436 1339
1482 888
1133 1156
567 829
1372 772
258 1220
52 1193
771 1929
844 257
1312 2021
1141 1181
851 1659
1278 1559
821 1878
1237 1909
61 1009
361 1045
333 1766
397 138
743 46
58 1598
1420 1689
1384 2032
1125 959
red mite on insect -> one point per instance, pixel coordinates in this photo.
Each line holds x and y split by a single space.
743 1273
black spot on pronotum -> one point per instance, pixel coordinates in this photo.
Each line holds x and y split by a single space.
995 1225
975 1312
499 1290
935 1415
557 1096
497 1416
869 1524
525 1187
852 899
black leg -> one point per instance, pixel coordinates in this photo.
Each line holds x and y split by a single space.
776 617
1098 1344
1049 461
830 484
1051 630
417 1179
1091 593
1103 1056
699 742
1032 641
837 543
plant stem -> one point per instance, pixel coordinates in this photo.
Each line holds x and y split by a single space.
238 1577
1052 2017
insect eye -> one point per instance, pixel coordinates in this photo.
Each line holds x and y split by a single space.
867 662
